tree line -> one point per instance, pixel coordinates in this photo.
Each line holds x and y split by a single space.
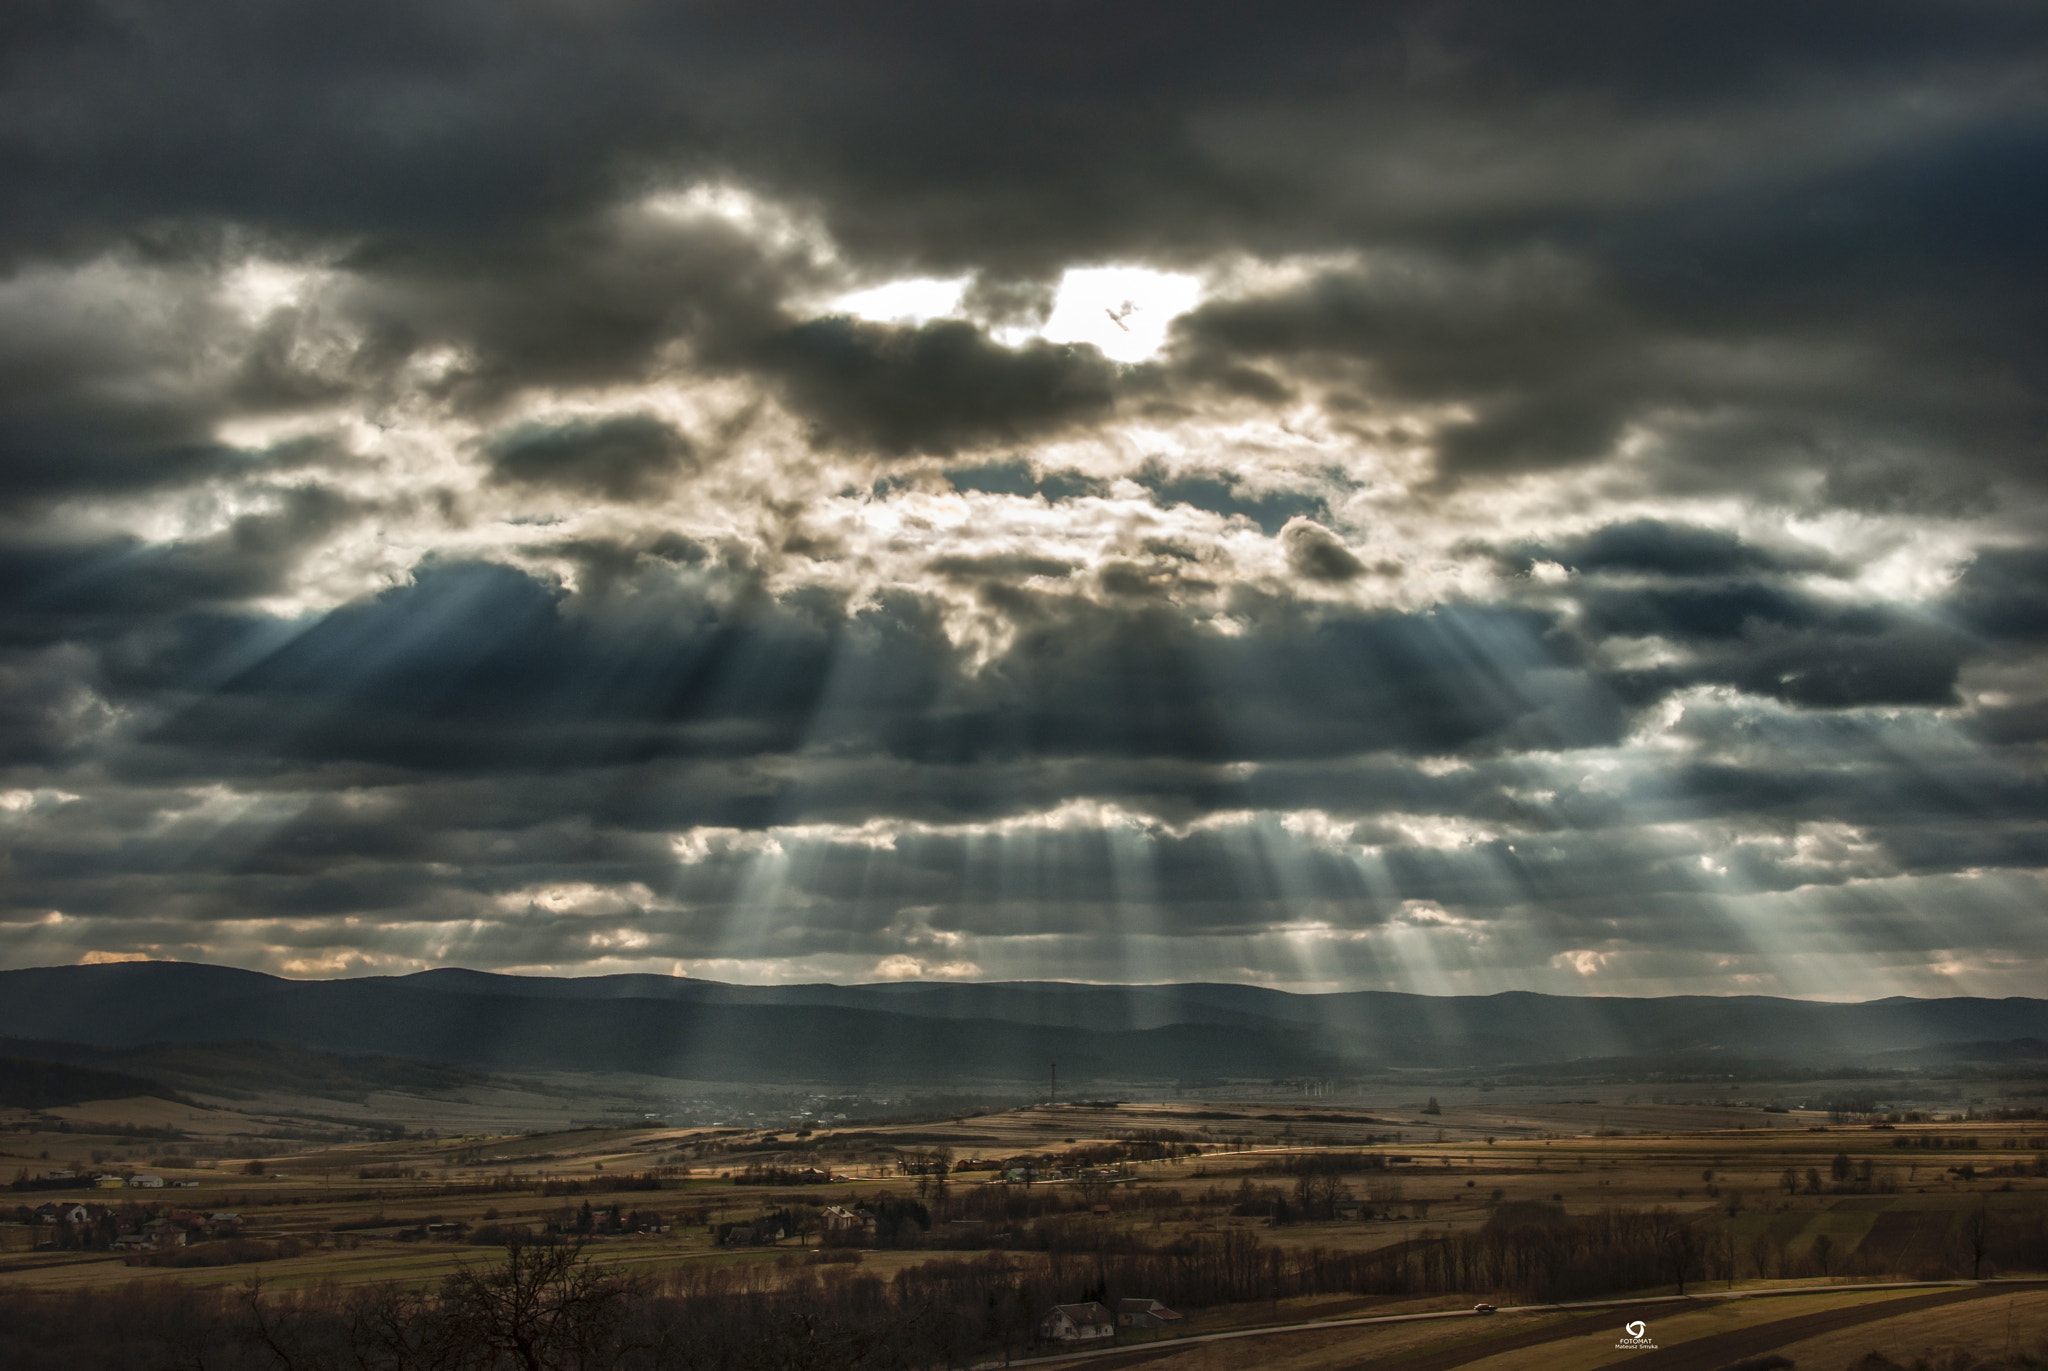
555 1308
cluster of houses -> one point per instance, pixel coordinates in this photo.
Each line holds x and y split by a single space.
753 1234
83 1224
63 1179
1026 1170
1091 1323
834 1221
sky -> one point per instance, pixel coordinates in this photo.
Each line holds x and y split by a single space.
1445 497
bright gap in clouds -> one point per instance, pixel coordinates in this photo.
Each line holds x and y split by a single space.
914 301
1124 311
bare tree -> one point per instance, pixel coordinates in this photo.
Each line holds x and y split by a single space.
1680 1245
942 1162
1763 1252
548 1308
1977 1233
1724 1254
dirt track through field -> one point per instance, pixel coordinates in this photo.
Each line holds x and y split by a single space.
1507 1339
1443 1359
1697 1354
1711 1353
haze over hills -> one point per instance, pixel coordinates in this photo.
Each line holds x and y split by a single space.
705 1030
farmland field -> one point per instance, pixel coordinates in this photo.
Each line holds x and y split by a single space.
1343 1210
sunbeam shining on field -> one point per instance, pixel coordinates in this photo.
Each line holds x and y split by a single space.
1285 600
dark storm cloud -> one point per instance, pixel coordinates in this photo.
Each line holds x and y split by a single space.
1116 131
617 458
1719 612
94 400
1659 548
1907 665
642 717
1902 664
305 316
622 296
1664 197
936 388
2020 723
53 591
1547 360
1230 879
2004 594
478 666
600 301
1140 681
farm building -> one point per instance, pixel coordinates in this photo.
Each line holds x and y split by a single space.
1072 1324
1145 1314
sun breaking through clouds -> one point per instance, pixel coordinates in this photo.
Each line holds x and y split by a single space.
1443 497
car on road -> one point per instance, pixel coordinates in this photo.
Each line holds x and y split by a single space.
1485 1309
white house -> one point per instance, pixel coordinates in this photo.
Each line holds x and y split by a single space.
145 1182
837 1217
1078 1323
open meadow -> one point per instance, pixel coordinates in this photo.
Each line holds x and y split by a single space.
1310 1204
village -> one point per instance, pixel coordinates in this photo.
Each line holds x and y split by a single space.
1106 1224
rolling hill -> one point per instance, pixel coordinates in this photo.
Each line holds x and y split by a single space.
705 1030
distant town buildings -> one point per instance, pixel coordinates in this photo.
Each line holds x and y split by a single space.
83 1225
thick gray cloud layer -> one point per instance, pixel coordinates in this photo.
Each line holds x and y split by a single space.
1435 496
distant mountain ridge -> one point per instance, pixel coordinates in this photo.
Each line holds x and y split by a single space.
240 1070
33 1083
996 1031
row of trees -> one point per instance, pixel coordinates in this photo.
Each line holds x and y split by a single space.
553 1309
